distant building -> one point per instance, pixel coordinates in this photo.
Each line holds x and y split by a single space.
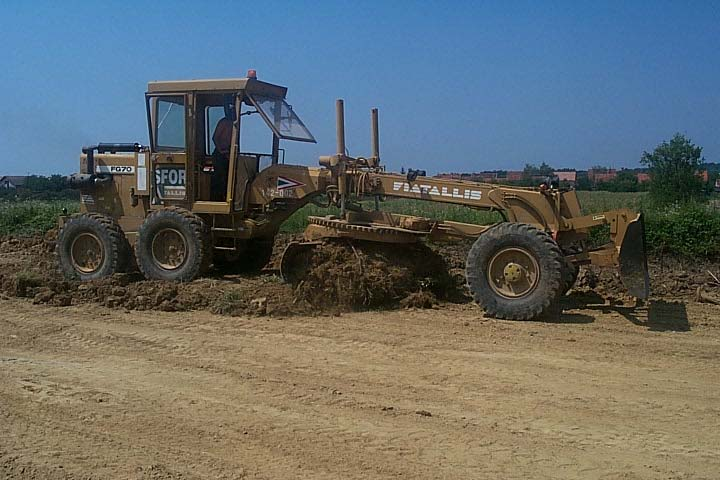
487 177
597 175
704 175
569 177
13 182
643 177
449 176
508 176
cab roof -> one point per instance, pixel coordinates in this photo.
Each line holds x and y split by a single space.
250 85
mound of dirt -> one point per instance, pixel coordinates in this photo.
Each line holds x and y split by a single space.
339 276
669 278
362 275
29 270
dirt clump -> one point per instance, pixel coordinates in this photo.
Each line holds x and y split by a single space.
669 278
131 292
30 271
365 275
338 276
422 299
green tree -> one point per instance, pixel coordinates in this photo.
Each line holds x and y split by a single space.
709 187
625 181
531 170
583 183
673 170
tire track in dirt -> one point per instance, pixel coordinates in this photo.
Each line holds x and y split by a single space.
338 397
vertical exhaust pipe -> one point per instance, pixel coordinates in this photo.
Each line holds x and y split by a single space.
340 126
375 136
375 147
342 179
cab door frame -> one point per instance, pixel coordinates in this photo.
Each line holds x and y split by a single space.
172 157
226 207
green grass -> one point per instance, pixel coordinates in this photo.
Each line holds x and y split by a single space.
38 216
673 230
437 211
298 220
591 202
596 202
32 216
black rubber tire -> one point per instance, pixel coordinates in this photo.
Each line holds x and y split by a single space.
254 255
550 262
570 274
195 234
258 254
115 246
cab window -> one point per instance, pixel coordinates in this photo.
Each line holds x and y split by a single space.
213 115
170 123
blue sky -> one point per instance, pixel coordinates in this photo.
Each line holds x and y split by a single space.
461 86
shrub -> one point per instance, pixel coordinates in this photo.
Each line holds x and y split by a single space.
32 216
686 229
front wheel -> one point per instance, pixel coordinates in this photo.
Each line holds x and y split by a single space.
173 244
570 274
515 271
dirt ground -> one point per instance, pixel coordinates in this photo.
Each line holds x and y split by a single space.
232 377
91 392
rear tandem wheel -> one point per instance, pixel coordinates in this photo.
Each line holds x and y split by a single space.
173 244
91 246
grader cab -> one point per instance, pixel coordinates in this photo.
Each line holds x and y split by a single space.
196 194
202 193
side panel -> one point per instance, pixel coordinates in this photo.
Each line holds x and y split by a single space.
122 196
287 182
170 179
518 204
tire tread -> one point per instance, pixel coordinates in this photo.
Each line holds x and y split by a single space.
199 230
119 252
552 279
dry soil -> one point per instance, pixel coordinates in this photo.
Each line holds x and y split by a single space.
96 389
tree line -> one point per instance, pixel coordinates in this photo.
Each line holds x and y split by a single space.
39 187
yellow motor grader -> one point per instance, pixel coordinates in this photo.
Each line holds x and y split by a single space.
195 196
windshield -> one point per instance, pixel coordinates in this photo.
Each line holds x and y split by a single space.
281 118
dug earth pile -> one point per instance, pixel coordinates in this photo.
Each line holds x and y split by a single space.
339 277
28 269
362 275
342 277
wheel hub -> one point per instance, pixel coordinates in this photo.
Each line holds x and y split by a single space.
513 272
169 249
87 253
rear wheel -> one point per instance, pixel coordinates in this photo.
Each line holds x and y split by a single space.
173 244
515 271
91 246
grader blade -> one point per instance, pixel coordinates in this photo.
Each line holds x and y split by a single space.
633 260
295 260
